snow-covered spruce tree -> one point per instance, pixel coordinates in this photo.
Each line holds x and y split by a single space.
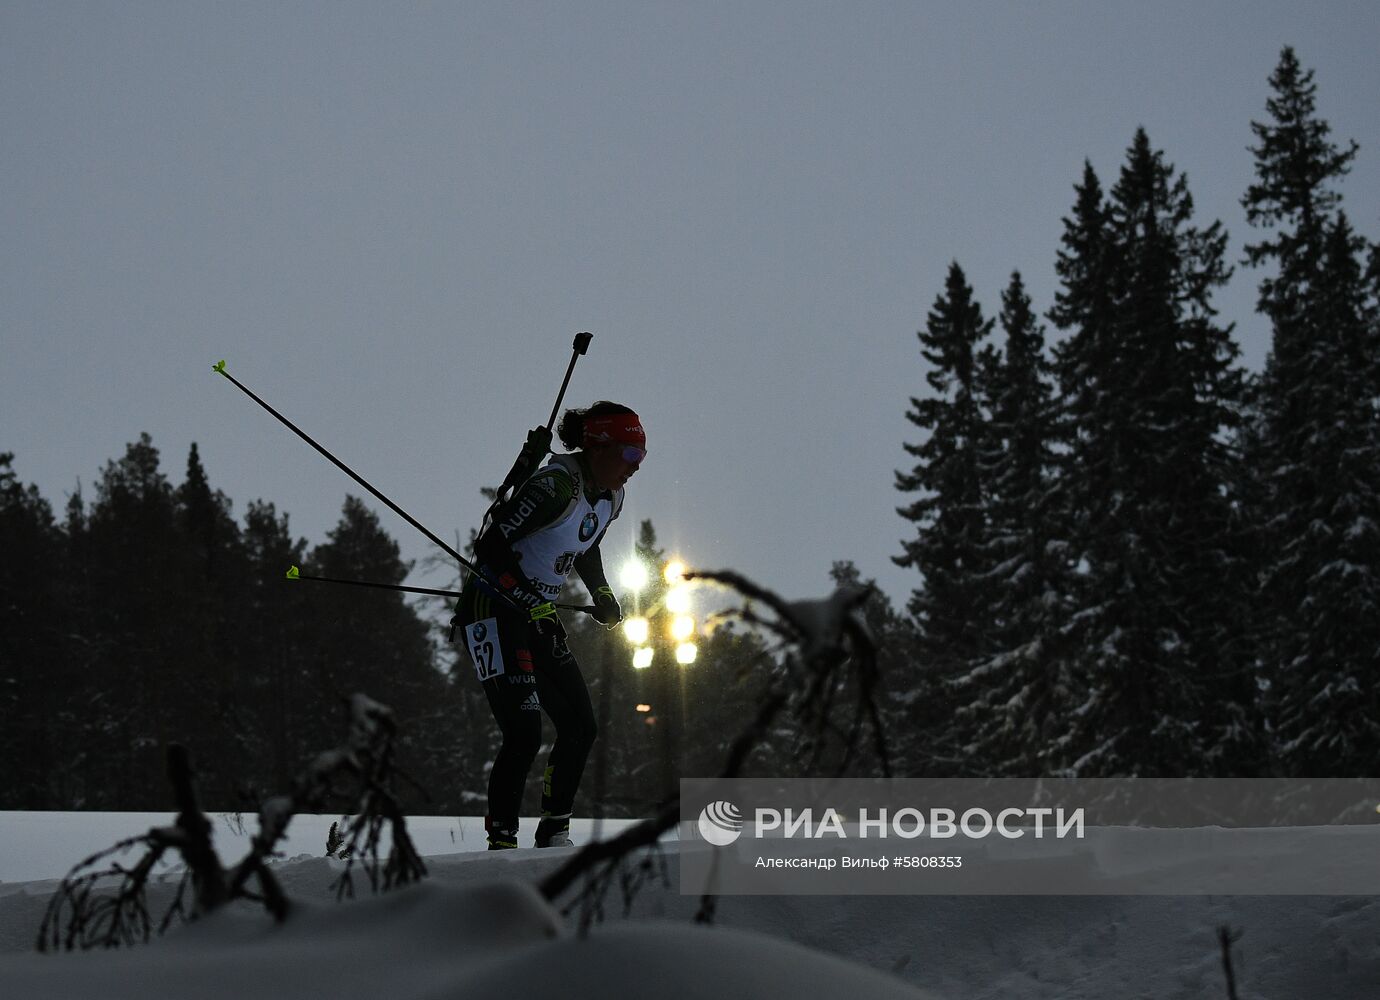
1149 387
1012 698
1316 453
949 547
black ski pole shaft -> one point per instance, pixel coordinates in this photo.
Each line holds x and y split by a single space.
294 573
220 367
580 346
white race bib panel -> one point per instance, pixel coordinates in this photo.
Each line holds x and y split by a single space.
548 556
481 639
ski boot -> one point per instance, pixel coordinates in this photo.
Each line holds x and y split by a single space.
502 836
553 831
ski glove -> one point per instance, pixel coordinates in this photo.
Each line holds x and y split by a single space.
606 609
537 447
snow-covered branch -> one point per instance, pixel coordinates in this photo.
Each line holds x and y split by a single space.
826 647
360 772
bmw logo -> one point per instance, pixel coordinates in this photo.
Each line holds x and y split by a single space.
479 631
589 526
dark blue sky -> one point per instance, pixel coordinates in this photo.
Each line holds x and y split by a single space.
391 220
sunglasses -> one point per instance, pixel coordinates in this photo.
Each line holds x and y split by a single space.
633 454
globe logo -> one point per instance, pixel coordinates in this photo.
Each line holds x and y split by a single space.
721 823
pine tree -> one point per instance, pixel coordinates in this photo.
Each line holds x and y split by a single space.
948 516
1297 167
1150 387
209 533
949 547
1326 706
83 712
1013 697
36 661
277 652
369 641
1083 308
205 610
138 676
1318 494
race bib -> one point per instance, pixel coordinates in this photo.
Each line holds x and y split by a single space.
481 639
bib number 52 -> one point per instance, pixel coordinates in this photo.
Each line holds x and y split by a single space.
481 638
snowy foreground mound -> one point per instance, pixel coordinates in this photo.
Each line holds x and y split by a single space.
476 928
435 941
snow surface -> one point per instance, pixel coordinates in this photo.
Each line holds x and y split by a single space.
477 927
45 845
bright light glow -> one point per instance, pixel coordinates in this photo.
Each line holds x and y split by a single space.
678 600
633 575
636 630
674 572
642 658
682 628
644 707
686 653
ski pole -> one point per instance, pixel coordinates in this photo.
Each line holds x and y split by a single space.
219 367
294 573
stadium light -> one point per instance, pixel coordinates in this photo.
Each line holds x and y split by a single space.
636 630
633 576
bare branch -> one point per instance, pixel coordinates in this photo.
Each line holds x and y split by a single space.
79 916
827 645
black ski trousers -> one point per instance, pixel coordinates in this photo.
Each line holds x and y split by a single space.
527 669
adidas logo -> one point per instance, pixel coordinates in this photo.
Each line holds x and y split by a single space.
530 703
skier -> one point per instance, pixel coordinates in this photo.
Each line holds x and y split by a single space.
553 523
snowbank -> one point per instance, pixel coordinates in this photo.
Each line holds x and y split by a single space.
431 941
476 928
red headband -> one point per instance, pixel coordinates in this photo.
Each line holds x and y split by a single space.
624 428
